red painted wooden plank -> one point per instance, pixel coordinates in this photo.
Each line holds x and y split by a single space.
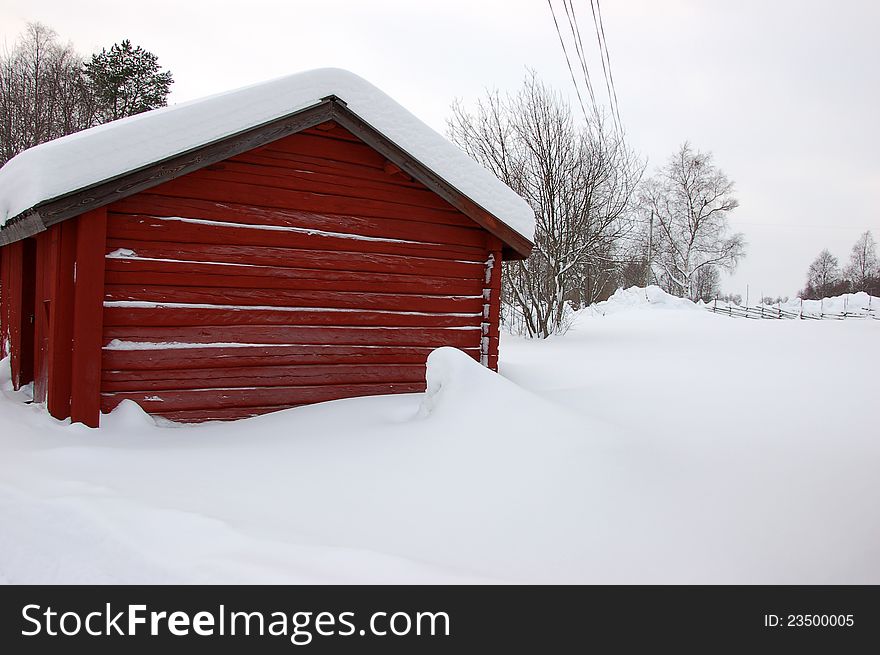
294 298
168 316
284 178
61 335
47 260
190 186
269 376
267 334
348 173
278 355
159 402
334 149
284 257
88 317
332 130
195 274
148 228
224 414
467 233
306 163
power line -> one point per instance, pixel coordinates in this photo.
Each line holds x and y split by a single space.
568 61
581 52
579 47
603 48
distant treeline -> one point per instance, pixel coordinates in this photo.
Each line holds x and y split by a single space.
825 277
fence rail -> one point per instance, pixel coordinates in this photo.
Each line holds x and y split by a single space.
769 312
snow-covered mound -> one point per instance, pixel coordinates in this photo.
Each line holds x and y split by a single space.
455 381
638 298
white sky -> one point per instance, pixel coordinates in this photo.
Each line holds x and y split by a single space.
785 93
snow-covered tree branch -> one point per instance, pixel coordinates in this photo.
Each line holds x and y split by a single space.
579 179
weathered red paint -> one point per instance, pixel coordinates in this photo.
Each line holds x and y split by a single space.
17 285
10 304
60 365
85 403
315 313
47 266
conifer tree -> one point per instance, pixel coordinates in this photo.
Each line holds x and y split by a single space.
126 80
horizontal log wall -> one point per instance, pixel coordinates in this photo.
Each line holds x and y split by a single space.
306 270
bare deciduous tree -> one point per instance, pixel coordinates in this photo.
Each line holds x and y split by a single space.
690 199
863 268
580 181
706 283
42 92
823 277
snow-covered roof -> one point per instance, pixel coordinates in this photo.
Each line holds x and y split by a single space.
77 161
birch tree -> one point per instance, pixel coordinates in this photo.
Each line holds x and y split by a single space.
863 268
823 277
690 200
42 92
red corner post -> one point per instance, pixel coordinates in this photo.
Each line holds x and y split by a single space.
61 327
88 317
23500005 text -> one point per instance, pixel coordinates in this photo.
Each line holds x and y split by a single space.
809 620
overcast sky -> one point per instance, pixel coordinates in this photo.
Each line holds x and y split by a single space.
786 94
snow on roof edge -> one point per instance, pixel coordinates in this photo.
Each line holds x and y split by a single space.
77 161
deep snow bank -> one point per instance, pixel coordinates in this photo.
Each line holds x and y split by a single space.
473 482
637 298
650 446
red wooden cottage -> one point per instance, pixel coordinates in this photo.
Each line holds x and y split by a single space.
292 242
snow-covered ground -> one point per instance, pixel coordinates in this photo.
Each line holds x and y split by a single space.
655 442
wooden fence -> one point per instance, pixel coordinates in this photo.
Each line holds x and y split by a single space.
776 312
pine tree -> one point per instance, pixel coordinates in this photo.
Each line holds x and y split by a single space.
126 80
